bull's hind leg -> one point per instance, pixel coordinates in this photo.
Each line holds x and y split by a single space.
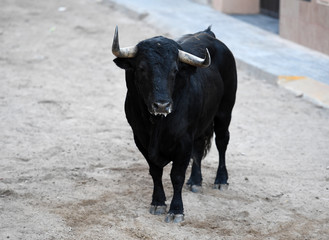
222 122
194 183
200 148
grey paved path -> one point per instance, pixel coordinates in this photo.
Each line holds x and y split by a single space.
260 51
262 21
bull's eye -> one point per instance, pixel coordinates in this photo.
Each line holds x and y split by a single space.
141 67
174 72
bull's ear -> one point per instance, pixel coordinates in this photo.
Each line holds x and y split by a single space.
186 68
124 63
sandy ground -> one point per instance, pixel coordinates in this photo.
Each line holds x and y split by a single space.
69 168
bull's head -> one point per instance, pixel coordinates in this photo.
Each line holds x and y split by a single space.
155 63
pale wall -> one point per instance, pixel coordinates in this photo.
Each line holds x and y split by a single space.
236 6
306 23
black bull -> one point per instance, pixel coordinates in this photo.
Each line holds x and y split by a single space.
174 103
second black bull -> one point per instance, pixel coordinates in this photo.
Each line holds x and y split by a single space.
175 101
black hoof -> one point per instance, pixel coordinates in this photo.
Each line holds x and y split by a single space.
175 218
158 210
195 188
221 187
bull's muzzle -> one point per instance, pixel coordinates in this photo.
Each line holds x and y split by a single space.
161 108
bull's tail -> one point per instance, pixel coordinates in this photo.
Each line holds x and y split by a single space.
207 140
202 145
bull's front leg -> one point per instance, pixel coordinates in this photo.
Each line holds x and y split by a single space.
177 176
158 205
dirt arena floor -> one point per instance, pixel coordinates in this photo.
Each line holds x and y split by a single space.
69 168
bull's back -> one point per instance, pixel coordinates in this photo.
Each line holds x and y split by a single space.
220 54
219 80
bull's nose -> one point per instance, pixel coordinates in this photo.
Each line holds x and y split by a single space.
162 107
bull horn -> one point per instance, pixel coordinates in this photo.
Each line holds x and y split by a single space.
128 52
194 60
